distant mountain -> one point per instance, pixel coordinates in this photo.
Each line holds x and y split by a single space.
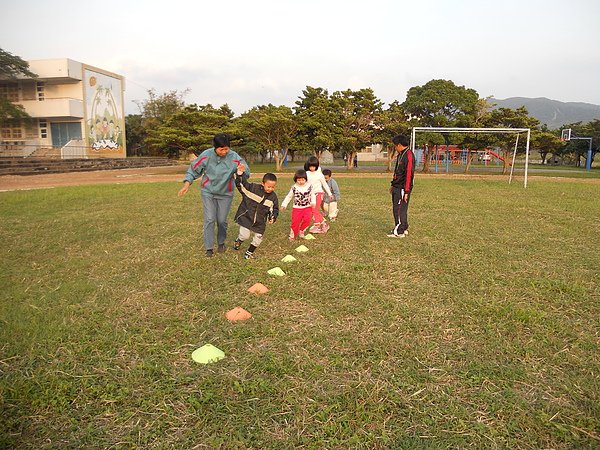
552 112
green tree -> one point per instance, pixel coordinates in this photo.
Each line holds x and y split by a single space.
355 114
315 118
155 111
592 129
577 149
189 130
11 67
473 142
270 128
440 103
510 118
392 121
546 142
135 134
159 107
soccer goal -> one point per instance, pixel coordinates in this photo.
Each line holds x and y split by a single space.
517 131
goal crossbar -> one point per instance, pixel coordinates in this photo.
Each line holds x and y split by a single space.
516 131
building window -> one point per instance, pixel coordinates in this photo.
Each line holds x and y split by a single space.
40 91
11 130
28 91
9 91
43 129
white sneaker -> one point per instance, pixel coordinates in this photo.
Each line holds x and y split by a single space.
394 235
316 228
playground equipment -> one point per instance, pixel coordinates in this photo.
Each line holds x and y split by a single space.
455 155
495 155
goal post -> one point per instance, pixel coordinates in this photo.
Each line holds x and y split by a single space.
516 131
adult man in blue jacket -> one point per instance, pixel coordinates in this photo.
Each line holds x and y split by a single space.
216 167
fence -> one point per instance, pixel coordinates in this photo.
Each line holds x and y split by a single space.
74 149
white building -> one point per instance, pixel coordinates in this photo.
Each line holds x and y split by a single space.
77 111
373 152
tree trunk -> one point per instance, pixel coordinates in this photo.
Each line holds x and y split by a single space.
279 160
350 161
505 156
544 155
391 158
426 160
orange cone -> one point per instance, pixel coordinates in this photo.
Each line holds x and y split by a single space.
258 288
238 313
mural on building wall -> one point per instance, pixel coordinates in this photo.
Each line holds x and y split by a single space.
105 121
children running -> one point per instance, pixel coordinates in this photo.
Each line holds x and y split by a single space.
304 201
258 207
318 183
331 206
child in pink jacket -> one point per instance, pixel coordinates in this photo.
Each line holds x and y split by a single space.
316 179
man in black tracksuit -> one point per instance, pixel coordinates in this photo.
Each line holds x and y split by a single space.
402 184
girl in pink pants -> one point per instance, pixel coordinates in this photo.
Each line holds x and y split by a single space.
304 201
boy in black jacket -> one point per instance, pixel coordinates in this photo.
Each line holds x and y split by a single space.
259 206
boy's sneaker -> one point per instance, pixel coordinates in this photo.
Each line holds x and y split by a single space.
316 228
221 248
237 244
209 253
249 255
301 234
324 227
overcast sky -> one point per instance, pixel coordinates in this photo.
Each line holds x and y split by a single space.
254 52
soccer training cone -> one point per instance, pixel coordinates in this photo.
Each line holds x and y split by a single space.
302 249
207 354
289 258
258 288
276 271
238 313
309 237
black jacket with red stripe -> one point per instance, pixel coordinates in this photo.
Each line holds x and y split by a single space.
257 206
404 171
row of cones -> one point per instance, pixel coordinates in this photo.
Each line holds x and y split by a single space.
208 353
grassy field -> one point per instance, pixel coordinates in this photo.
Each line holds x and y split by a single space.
479 330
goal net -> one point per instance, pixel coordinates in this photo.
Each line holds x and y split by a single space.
516 131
